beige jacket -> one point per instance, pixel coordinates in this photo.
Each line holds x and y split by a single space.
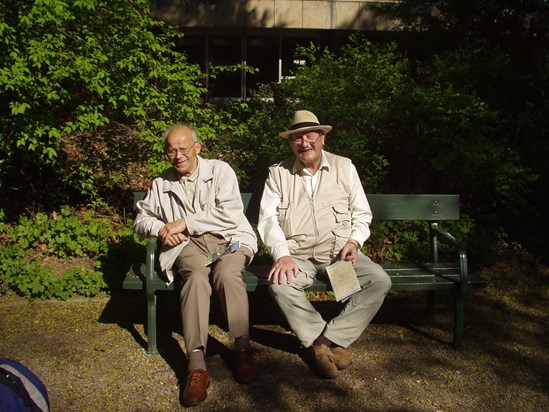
218 205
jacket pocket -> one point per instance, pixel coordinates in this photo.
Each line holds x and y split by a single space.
340 235
207 200
342 214
284 218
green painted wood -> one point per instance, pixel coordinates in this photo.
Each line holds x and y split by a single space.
137 196
403 277
414 207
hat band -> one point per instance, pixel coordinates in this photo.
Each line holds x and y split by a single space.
303 124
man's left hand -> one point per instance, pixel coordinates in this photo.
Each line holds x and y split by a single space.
350 251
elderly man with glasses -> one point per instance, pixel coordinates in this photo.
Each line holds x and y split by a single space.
196 210
314 213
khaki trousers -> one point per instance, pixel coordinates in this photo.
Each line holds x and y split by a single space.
355 316
196 290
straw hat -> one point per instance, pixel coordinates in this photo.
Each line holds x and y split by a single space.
304 121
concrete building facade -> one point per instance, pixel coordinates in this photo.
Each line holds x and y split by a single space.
264 34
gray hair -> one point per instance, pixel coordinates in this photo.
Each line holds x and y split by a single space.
194 134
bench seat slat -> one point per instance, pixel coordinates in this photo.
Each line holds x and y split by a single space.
402 277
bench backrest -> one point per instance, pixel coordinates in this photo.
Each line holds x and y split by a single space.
414 207
391 207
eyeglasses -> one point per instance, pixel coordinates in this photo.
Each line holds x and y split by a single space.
172 151
310 137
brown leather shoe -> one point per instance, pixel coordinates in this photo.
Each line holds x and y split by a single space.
196 387
245 369
341 357
324 361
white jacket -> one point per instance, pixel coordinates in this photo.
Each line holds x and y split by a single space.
218 205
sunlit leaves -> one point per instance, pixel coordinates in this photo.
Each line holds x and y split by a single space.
81 67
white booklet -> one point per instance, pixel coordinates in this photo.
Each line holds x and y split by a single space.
343 279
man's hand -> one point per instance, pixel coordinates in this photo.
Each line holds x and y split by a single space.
174 240
283 269
350 251
172 234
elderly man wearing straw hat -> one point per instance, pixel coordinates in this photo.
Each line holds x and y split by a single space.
313 213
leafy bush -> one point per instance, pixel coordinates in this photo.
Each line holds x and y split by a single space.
405 133
86 90
63 234
27 246
396 241
352 91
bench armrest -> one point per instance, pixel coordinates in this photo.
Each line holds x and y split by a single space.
150 259
446 237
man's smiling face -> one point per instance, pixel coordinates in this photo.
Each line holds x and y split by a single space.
182 150
307 147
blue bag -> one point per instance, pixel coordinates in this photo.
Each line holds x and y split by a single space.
20 389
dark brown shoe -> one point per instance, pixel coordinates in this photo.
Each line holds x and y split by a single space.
341 357
196 387
245 369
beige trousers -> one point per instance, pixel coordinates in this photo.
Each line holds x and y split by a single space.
225 275
355 316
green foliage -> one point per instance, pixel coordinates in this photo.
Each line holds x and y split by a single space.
82 282
394 241
398 241
87 87
408 128
36 281
257 144
436 129
352 91
62 236
496 52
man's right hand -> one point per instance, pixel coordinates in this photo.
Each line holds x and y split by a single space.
174 240
173 233
283 269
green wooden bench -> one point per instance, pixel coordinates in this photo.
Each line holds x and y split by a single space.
429 276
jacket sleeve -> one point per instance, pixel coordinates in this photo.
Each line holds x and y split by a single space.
268 227
149 216
361 214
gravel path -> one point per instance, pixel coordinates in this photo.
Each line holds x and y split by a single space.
90 353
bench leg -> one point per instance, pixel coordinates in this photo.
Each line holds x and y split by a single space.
151 323
458 320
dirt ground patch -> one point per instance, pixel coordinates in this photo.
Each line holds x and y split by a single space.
90 353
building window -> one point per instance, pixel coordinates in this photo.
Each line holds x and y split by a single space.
225 50
262 53
273 55
289 60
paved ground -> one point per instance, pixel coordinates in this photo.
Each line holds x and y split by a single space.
90 353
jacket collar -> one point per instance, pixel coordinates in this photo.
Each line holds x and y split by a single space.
171 181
